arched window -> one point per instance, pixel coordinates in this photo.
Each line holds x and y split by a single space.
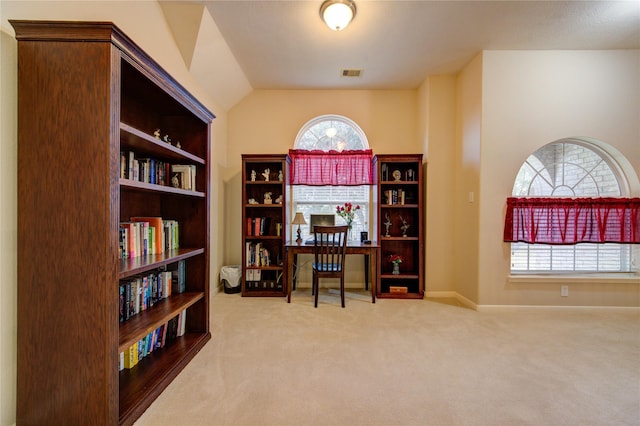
331 133
571 168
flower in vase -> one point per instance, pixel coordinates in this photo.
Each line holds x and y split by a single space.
396 259
347 212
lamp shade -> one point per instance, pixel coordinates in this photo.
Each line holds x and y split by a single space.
299 219
337 14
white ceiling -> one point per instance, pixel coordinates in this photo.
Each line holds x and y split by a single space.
397 43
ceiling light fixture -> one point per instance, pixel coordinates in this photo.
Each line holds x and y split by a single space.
337 14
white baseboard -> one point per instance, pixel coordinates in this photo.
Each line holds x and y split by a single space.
486 308
452 295
496 308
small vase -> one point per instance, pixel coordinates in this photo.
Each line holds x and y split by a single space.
350 236
396 269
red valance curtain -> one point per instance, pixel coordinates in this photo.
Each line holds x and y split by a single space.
572 220
347 168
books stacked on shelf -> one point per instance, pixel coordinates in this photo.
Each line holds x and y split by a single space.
157 172
142 236
257 279
149 170
253 275
183 176
257 226
257 255
395 196
157 339
178 278
141 293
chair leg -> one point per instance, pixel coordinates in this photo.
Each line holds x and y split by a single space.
316 290
342 291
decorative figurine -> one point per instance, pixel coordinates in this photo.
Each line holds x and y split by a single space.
397 175
387 225
157 133
252 201
404 226
253 175
266 174
175 181
279 199
280 176
267 197
178 145
411 175
167 139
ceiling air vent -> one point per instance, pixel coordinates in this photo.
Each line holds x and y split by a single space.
351 72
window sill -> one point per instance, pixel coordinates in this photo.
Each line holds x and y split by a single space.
629 277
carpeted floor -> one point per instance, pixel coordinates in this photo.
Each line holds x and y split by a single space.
406 362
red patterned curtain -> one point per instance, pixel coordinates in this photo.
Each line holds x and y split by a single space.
572 220
317 168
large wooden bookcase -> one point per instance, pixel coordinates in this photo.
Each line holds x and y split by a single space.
399 198
86 94
264 222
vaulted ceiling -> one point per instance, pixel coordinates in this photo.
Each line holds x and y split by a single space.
233 47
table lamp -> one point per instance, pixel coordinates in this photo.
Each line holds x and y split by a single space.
299 220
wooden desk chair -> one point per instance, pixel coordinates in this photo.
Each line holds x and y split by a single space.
329 254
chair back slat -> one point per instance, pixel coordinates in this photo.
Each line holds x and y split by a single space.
329 248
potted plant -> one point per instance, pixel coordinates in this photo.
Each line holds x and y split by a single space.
396 260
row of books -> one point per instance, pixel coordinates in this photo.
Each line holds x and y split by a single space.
157 172
257 226
141 293
142 236
395 196
157 339
263 285
257 255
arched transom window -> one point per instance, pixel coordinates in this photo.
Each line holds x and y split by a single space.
570 168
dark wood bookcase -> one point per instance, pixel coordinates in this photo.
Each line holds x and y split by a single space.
399 198
86 94
264 223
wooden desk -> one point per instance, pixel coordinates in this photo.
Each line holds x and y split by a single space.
370 252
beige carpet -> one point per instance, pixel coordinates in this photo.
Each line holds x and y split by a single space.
406 362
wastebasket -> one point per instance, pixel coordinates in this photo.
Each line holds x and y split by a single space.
230 278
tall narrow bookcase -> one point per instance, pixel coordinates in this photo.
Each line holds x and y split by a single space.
400 225
264 222
88 96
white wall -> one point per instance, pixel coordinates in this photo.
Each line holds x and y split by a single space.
469 94
8 228
531 99
436 117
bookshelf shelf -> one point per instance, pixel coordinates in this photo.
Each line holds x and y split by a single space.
138 265
141 325
79 125
400 202
143 143
131 185
153 374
